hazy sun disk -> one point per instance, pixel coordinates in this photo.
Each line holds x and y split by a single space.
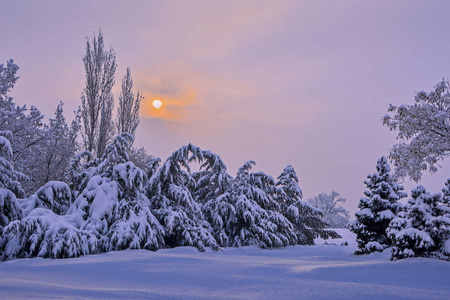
157 103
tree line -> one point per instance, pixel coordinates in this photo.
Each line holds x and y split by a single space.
111 196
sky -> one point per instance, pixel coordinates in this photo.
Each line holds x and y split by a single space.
301 83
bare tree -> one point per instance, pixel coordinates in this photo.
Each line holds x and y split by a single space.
106 129
97 99
128 110
333 213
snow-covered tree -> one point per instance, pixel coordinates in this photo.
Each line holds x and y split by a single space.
212 189
57 149
8 78
377 209
173 204
28 131
258 220
424 131
334 214
9 177
10 209
422 228
140 157
97 101
305 218
111 212
128 110
10 187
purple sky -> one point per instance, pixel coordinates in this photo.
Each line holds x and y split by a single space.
279 82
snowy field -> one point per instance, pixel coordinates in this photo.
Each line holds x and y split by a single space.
325 271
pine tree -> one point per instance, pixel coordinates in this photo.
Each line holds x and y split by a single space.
377 210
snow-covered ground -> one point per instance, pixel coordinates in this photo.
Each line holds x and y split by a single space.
325 271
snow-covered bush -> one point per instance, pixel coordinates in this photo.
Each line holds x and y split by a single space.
10 208
377 210
110 212
54 195
42 233
422 228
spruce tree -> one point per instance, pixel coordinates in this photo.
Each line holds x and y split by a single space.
377 209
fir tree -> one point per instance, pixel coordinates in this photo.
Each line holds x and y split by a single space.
377 210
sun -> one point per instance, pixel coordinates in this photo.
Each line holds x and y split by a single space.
157 103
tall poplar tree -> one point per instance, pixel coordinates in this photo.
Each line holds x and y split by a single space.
97 101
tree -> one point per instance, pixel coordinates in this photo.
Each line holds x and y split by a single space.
258 220
28 132
57 149
7 79
333 213
377 210
10 187
97 101
422 227
128 110
172 202
9 177
424 131
306 219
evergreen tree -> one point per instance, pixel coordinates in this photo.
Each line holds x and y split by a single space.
377 210
422 228
173 203
211 191
10 209
9 177
305 218
257 218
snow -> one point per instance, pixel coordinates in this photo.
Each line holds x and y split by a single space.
325 271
